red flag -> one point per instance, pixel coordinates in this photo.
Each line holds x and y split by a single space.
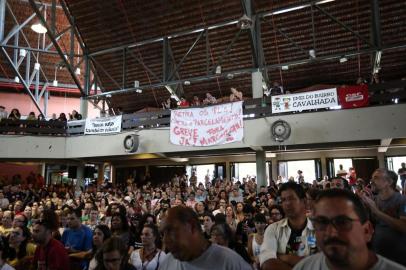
353 96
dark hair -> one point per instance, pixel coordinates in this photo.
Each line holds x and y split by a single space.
75 211
390 176
260 218
155 232
359 208
298 189
112 244
185 215
210 215
123 219
279 208
106 234
22 251
248 208
220 218
225 231
105 230
49 219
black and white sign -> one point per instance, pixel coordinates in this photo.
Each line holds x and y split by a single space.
103 125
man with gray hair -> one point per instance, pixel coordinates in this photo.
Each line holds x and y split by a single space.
389 210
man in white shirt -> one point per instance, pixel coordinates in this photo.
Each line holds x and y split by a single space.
190 250
343 231
287 241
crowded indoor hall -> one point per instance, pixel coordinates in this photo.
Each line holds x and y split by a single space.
202 135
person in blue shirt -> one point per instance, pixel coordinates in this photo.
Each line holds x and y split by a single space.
77 237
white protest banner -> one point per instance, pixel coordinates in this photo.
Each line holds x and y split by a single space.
213 125
305 101
104 125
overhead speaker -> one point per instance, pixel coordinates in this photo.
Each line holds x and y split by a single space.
131 143
280 131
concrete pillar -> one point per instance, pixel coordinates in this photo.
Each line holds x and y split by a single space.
256 78
261 168
83 107
228 171
323 164
381 159
274 162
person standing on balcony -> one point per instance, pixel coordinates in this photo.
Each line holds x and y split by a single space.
3 113
235 95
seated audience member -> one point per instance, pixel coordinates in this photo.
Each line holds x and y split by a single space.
287 241
236 195
276 213
230 218
77 237
338 182
255 240
21 250
100 234
235 95
113 255
6 223
121 229
388 210
149 257
343 232
15 114
62 117
75 116
221 234
208 222
247 226
20 220
50 253
31 116
3 256
188 247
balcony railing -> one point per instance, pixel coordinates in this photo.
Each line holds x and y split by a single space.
380 94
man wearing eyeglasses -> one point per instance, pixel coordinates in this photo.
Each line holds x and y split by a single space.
287 241
343 231
389 214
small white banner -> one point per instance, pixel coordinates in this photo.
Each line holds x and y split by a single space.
305 101
104 125
213 125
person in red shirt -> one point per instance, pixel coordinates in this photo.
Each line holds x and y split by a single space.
184 103
50 253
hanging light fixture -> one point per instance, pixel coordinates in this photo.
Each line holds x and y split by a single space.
37 27
55 82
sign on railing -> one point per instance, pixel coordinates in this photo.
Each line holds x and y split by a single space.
218 124
305 101
105 125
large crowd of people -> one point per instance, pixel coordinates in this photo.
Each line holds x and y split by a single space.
190 223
